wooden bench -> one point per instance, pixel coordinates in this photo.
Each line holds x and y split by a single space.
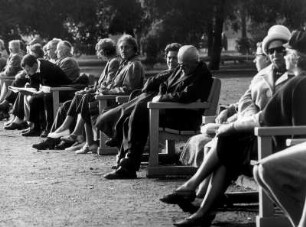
266 216
154 168
55 95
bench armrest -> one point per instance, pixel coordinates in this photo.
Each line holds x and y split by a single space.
208 119
62 88
174 105
105 97
122 99
280 131
7 78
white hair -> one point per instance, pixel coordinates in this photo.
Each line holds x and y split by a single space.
188 53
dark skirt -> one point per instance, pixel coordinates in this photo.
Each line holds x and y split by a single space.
235 151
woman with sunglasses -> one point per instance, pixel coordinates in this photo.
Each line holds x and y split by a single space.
282 175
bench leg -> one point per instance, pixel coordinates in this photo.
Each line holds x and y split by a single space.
103 149
55 96
170 147
281 221
153 156
266 217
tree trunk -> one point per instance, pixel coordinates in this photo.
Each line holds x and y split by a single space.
209 38
217 36
243 23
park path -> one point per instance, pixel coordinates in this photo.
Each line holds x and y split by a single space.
59 188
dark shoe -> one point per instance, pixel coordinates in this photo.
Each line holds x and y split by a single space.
179 197
44 133
4 106
14 126
199 221
113 142
63 145
188 207
47 144
120 174
4 115
31 132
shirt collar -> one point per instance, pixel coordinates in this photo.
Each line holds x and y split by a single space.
38 66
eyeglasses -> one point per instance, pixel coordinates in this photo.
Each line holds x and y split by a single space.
279 50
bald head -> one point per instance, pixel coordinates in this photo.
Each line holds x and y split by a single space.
188 58
188 53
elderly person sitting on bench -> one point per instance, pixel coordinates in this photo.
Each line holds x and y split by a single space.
190 82
282 175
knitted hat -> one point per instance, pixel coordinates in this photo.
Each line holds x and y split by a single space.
297 41
276 32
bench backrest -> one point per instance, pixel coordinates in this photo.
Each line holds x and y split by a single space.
213 97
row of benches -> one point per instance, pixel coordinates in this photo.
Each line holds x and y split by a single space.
266 217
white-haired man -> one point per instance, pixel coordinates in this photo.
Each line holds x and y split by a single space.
51 50
65 60
189 82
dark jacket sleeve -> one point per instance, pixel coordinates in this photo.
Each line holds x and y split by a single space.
196 87
52 75
153 83
287 107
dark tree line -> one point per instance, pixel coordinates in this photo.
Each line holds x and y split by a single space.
153 22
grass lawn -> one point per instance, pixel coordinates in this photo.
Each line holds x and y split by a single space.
232 88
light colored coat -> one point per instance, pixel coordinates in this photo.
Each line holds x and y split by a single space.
109 73
130 76
70 66
12 65
260 92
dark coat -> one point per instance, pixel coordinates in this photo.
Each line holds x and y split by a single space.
152 84
185 89
188 88
176 88
49 75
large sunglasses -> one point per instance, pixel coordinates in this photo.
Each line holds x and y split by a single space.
279 50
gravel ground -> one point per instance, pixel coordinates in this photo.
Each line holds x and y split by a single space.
59 188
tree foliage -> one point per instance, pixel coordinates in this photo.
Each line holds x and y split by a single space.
153 22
